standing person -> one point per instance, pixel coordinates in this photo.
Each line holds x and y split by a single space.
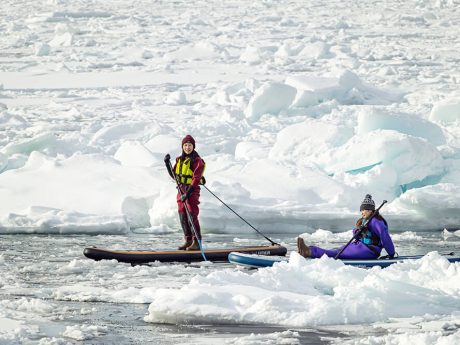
375 237
189 169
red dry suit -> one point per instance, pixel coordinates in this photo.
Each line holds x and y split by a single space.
189 171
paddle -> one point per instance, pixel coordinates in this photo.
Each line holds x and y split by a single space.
244 220
189 216
360 230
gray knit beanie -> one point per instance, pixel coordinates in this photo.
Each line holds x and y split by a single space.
368 203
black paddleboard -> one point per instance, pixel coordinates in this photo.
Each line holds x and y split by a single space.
140 257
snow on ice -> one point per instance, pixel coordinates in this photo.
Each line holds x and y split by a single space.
376 150
299 110
329 293
322 118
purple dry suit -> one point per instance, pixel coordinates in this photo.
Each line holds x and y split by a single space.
359 250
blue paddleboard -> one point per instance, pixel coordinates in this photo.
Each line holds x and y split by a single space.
257 261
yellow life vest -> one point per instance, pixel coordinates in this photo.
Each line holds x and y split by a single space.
183 172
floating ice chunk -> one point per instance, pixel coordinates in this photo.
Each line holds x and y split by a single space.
12 330
45 142
306 186
176 98
9 120
233 191
446 234
439 204
237 94
50 220
251 55
64 35
347 88
439 337
3 162
270 99
316 50
305 99
84 332
330 294
164 143
324 85
306 139
412 158
86 190
42 49
62 40
136 211
349 80
321 235
133 153
286 337
147 54
288 49
250 150
107 135
406 236
16 161
160 229
203 50
446 112
314 90
372 119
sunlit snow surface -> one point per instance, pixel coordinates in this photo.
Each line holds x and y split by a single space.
298 108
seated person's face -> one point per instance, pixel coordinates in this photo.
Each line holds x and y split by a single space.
366 213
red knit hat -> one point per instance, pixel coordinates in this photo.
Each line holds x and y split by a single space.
188 139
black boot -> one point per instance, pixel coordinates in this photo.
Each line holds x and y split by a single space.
186 230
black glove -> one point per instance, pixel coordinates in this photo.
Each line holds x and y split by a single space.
187 193
168 165
362 229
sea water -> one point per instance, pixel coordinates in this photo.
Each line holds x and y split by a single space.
51 294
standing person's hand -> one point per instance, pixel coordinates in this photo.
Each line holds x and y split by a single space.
187 193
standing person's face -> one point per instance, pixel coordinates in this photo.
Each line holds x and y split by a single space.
188 148
366 213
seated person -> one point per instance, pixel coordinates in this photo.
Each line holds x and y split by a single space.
374 238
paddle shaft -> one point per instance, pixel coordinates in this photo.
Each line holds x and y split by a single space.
244 220
189 216
358 233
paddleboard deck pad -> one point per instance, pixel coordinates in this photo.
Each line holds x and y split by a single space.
257 261
141 257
